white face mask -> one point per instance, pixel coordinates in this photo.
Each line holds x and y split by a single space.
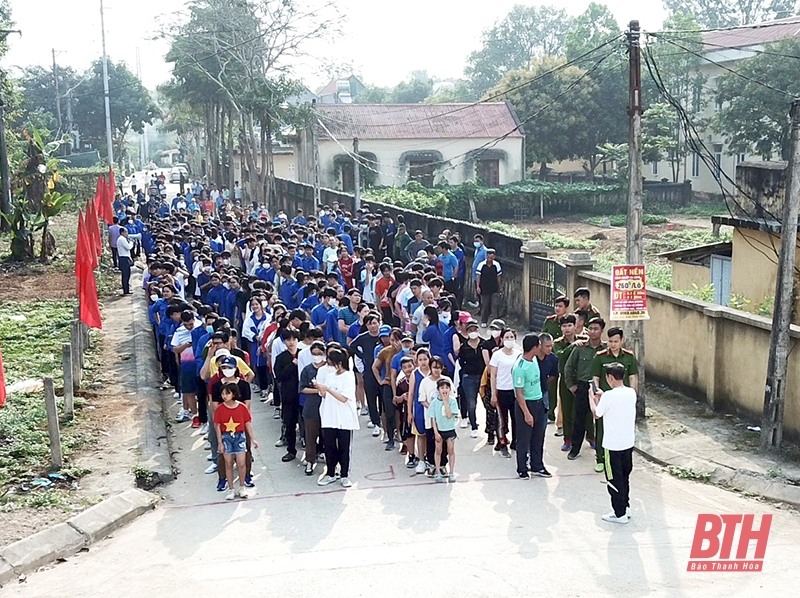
473 335
229 372
154 298
226 262
335 302
445 317
319 359
495 333
509 343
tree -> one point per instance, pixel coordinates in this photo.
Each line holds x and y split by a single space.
753 118
37 108
714 14
413 91
130 103
527 32
552 109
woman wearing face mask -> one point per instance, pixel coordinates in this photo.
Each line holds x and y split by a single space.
253 330
470 360
339 417
228 373
416 410
503 398
434 335
311 414
494 342
427 389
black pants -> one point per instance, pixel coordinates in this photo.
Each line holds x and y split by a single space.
506 411
486 306
372 390
125 268
390 410
431 448
530 439
115 257
337 450
290 412
202 397
618 467
581 408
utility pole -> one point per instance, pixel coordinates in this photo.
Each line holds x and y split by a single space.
315 162
356 174
70 126
634 249
58 94
775 391
109 139
5 184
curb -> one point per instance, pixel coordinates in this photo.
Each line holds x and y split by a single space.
154 452
79 532
739 480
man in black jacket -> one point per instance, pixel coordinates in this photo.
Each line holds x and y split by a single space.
287 377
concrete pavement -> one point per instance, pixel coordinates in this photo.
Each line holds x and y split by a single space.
488 534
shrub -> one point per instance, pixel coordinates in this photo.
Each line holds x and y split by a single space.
559 241
410 198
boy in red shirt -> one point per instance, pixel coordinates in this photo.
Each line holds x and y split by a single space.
233 424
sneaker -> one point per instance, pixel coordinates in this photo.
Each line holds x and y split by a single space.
176 395
209 456
464 424
523 475
309 468
376 431
222 485
364 411
325 480
599 468
421 466
566 446
389 446
204 429
243 492
572 455
370 425
473 434
280 442
256 388
451 478
230 495
277 413
438 478
628 513
611 518
346 483
207 446
489 438
211 468
543 473
559 433
183 416
248 481
196 421
164 385
498 446
504 452
593 444
321 458
288 457
412 462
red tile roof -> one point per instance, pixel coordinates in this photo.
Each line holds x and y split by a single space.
487 120
752 35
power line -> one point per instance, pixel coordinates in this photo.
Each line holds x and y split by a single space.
742 48
766 25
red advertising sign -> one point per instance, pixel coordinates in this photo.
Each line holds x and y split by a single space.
628 293
712 547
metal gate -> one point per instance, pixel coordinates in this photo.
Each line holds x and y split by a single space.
548 281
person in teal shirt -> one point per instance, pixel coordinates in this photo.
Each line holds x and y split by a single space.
443 414
530 410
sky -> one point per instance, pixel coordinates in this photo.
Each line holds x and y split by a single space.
384 41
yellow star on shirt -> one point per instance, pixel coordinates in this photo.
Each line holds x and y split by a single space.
230 425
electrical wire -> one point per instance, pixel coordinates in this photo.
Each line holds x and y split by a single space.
766 25
742 48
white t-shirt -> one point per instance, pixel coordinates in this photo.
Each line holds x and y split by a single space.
617 407
504 364
334 413
427 389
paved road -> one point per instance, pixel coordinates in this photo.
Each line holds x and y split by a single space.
489 534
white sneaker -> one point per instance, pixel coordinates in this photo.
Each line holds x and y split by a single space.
325 480
230 495
207 446
211 468
611 518
628 513
376 431
209 457
473 434
176 395
346 483
204 428
464 424
420 467
242 492
370 425
183 416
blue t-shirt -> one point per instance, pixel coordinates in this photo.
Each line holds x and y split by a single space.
449 265
434 336
547 367
395 365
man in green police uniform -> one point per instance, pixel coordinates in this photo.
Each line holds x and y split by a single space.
578 374
562 347
613 354
583 302
552 324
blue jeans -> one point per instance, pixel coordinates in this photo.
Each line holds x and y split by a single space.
470 384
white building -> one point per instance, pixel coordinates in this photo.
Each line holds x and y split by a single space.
430 143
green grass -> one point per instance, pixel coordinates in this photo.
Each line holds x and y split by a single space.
659 272
559 241
620 220
697 208
508 229
681 239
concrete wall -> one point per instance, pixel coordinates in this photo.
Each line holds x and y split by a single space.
685 275
710 352
284 162
754 267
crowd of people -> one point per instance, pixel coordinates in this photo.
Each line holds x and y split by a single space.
335 319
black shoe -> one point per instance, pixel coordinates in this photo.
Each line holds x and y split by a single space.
504 452
389 446
490 439
543 473
498 446
572 455
412 462
513 446
309 468
524 476
288 457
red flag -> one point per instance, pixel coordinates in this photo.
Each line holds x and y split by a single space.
87 298
93 228
2 381
111 195
100 193
80 252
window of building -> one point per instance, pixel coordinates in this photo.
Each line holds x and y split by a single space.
422 171
488 172
740 158
695 165
717 160
655 167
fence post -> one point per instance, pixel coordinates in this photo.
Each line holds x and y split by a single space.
77 353
56 458
69 389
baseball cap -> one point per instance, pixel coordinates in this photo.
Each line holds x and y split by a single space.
407 337
228 362
464 316
471 323
222 353
385 330
497 324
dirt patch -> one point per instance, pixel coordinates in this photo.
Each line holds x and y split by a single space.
21 284
108 419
